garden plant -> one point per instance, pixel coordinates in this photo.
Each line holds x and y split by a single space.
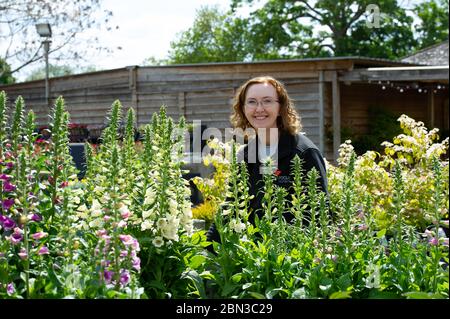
125 230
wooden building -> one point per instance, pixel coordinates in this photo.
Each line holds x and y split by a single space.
328 93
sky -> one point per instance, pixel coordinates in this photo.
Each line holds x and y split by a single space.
146 28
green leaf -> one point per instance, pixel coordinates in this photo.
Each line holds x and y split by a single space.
341 295
422 295
376 294
257 295
247 285
299 293
228 289
236 277
344 282
196 261
198 283
381 233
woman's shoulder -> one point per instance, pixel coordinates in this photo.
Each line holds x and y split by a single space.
303 143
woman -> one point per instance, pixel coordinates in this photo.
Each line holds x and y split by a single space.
263 104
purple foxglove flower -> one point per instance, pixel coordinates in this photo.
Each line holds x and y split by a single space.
7 203
106 218
362 227
43 251
10 165
8 223
124 277
126 239
122 224
108 274
123 253
433 241
8 187
10 290
35 218
39 235
15 238
23 254
4 177
137 263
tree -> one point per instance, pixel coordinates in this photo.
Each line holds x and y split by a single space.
214 37
57 70
434 22
20 44
5 73
307 28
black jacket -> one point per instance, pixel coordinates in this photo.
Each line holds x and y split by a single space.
288 146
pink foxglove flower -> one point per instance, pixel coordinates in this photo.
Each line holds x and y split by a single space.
39 235
43 251
23 254
433 241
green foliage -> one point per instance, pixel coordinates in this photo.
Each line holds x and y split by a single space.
382 127
284 29
433 27
125 231
214 37
5 73
57 70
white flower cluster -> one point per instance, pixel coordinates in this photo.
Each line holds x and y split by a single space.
163 215
345 152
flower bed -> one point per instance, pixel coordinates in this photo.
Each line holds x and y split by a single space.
125 230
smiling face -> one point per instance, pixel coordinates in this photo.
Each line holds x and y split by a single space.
264 112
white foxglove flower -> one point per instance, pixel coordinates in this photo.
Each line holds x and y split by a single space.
158 241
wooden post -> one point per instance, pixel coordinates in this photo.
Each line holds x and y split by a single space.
430 109
321 111
133 90
336 115
182 104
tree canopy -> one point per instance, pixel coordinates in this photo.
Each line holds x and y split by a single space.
299 29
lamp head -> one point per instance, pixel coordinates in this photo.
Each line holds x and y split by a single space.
44 29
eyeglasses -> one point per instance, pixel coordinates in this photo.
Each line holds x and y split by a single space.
265 103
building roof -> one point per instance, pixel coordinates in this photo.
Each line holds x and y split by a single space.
434 55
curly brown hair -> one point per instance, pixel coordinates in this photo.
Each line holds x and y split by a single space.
289 120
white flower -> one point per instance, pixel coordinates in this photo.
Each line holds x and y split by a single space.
173 206
373 280
96 223
169 232
147 213
239 227
158 241
146 225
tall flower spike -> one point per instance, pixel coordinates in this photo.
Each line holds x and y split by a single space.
3 119
16 128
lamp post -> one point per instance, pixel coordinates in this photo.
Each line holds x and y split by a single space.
44 30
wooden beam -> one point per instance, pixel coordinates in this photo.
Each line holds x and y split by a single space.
397 74
336 102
